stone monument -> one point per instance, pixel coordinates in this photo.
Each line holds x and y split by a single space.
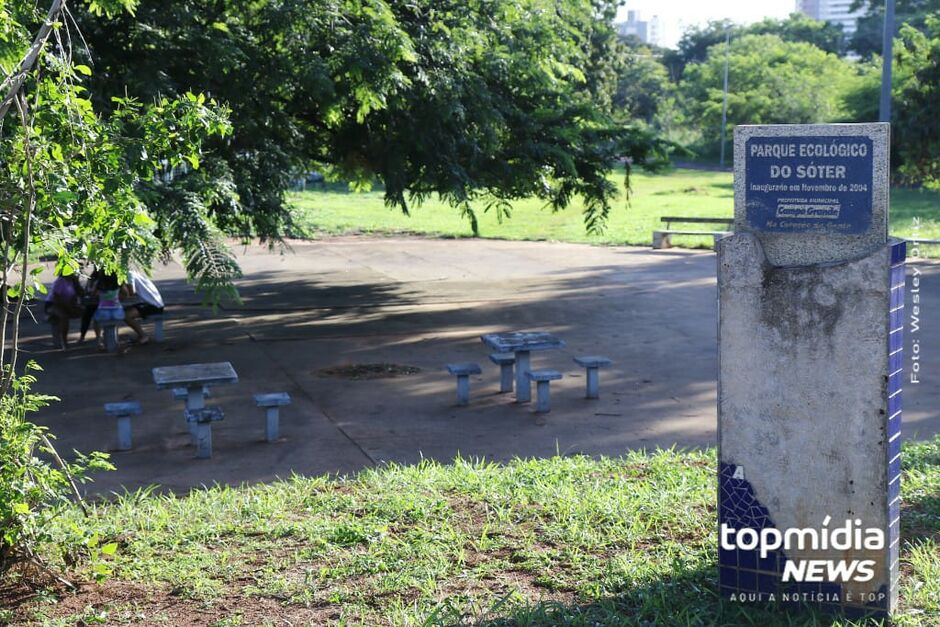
811 295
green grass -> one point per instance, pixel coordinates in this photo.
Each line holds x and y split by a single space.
677 192
567 540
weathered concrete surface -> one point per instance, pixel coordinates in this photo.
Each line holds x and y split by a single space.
411 301
803 399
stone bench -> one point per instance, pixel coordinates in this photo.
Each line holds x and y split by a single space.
272 403
203 419
463 372
663 239
592 364
123 412
542 380
505 361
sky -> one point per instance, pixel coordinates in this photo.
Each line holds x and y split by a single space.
676 15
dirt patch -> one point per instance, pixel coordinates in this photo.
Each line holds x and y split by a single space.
360 372
128 603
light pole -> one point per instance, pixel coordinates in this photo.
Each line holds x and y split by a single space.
724 102
884 111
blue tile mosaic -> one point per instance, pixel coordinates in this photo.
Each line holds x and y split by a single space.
767 584
895 361
894 487
894 447
728 576
898 252
894 466
894 404
747 580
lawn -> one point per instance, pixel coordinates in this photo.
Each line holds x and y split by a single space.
677 192
567 540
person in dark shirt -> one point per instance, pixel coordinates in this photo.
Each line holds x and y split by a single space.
63 302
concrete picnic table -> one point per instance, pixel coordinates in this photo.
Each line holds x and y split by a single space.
521 343
193 377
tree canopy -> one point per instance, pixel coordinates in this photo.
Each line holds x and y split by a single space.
797 27
770 81
867 39
471 100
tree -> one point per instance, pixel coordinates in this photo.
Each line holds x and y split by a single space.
798 27
695 42
470 100
916 128
69 182
770 81
868 37
643 86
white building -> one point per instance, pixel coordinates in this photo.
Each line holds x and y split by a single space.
833 11
647 31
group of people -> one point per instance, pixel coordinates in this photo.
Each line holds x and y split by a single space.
102 298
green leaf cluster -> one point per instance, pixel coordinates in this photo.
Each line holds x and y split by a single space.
482 99
34 491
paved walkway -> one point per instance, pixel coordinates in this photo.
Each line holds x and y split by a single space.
421 302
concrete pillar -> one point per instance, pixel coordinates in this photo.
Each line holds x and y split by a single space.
523 390
810 370
110 337
593 390
124 433
505 378
203 440
463 389
543 403
194 400
271 423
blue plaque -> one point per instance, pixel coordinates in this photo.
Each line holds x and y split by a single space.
809 184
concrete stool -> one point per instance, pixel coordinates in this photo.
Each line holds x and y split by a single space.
109 330
505 361
463 372
592 363
272 403
203 419
543 378
123 413
157 327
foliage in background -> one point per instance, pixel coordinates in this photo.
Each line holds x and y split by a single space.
480 100
916 126
867 39
694 45
770 81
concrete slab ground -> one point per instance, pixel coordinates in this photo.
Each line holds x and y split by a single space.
423 303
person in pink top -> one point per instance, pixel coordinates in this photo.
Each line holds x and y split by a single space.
63 302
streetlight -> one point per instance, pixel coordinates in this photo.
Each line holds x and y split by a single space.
884 111
724 102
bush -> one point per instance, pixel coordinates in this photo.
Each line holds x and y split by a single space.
36 484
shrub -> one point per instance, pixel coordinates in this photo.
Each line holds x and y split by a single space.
36 484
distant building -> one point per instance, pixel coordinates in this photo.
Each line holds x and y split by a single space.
832 11
647 31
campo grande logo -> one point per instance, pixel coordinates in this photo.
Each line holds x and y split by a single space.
849 536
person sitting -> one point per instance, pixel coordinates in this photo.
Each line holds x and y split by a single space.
63 302
109 303
149 303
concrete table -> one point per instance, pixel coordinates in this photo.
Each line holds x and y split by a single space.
521 343
193 377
